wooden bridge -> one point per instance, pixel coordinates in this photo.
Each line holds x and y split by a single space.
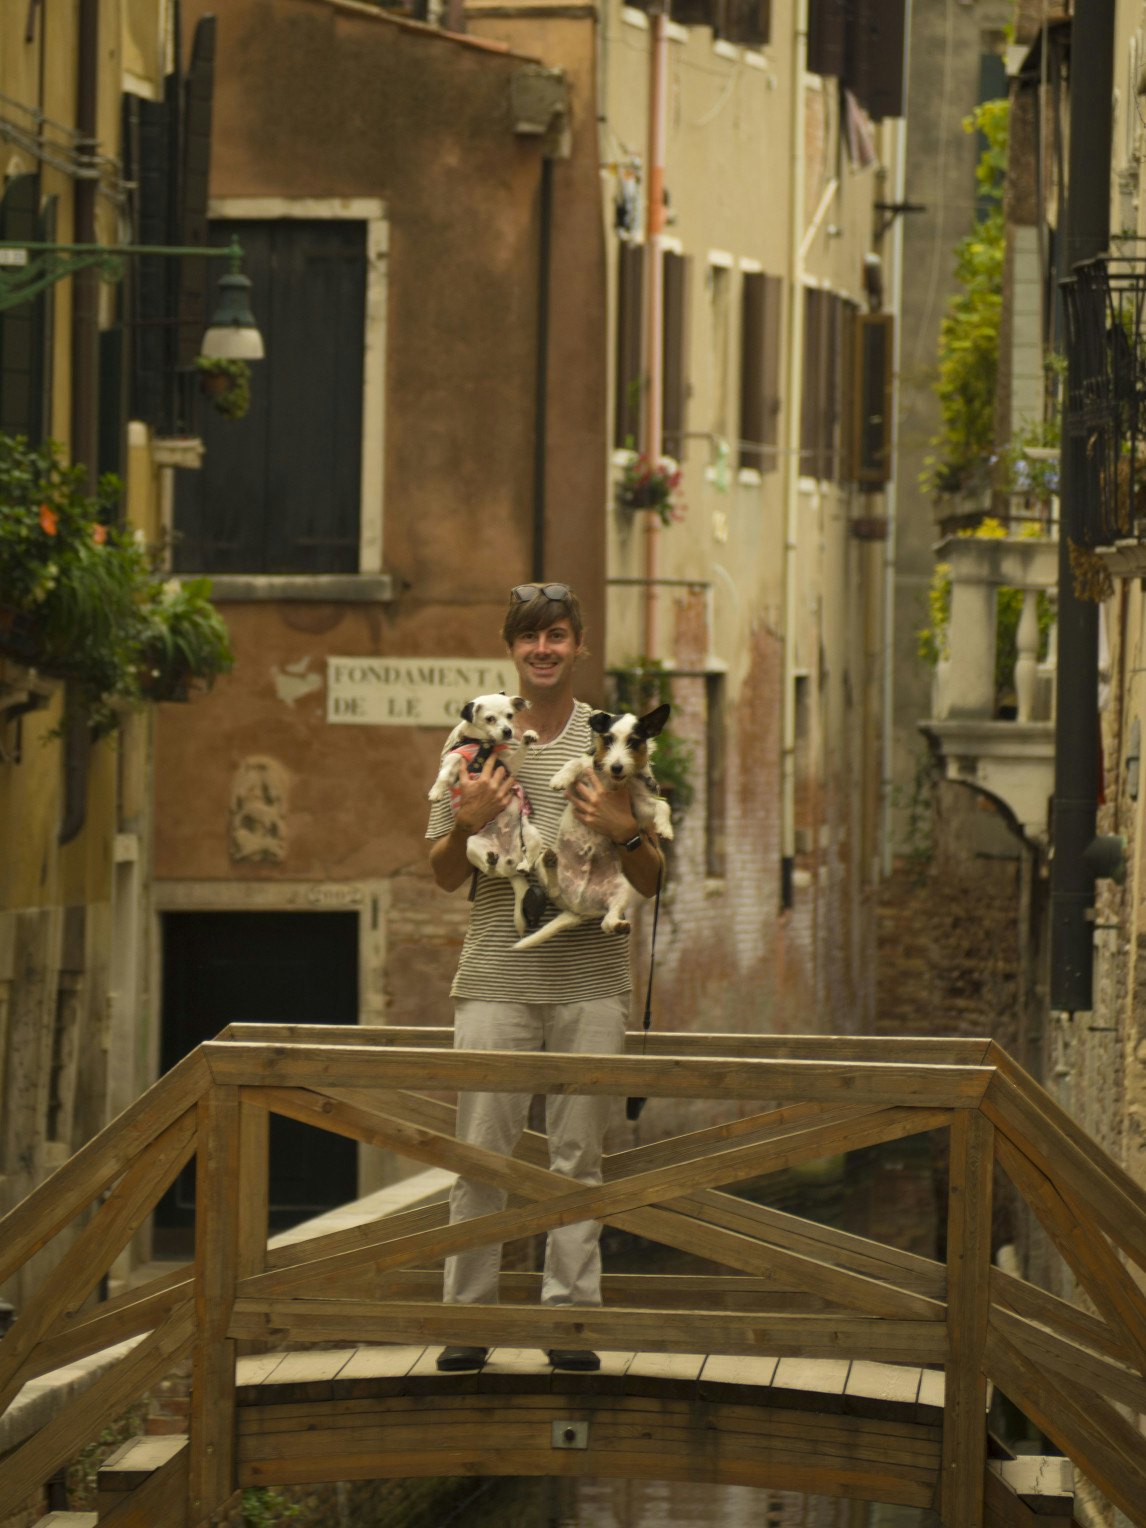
820 1361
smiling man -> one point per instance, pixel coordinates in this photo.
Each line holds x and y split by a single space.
570 994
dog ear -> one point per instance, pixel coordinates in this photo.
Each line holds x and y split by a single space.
518 702
468 711
653 724
600 721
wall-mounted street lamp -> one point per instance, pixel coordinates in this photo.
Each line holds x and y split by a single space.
26 270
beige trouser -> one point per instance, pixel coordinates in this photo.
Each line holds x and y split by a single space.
576 1125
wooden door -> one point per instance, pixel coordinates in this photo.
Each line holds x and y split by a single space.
262 968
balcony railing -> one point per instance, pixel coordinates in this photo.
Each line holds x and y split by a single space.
1106 410
995 736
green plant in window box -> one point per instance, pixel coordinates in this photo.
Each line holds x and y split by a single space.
80 597
638 686
227 383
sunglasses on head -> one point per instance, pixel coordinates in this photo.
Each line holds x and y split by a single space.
527 592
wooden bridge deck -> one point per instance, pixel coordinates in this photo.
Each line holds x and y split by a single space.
815 1361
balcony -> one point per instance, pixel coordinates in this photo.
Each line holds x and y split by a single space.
992 732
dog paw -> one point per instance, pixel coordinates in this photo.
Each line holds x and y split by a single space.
436 793
491 857
530 738
549 859
622 926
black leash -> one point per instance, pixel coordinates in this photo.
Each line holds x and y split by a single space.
633 1106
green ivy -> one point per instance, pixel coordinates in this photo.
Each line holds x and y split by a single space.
639 685
263 1507
969 334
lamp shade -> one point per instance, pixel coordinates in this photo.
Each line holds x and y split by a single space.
233 334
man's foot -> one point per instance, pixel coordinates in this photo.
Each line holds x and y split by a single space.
574 1358
453 1360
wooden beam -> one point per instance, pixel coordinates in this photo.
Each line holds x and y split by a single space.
613 1202
72 1429
1036 1304
930 1049
219 1191
1072 1362
883 1083
1070 1159
1085 1250
35 1220
1102 1443
98 1244
160 1499
659 1331
968 1296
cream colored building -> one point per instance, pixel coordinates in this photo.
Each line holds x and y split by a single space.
76 1010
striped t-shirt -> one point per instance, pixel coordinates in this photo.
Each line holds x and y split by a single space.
574 966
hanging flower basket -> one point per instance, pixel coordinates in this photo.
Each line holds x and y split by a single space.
227 383
651 485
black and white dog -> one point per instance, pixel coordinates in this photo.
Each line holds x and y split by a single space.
582 873
508 845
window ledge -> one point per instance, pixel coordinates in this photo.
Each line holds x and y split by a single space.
331 588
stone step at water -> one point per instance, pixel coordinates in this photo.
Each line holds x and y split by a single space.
68 1520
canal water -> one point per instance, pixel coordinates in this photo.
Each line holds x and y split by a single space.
887 1193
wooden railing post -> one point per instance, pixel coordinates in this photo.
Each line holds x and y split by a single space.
254 1133
968 1296
218 1192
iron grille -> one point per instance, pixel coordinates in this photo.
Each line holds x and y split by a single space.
1106 405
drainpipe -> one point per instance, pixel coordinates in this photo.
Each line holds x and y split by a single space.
654 301
891 489
1076 687
792 458
85 284
541 387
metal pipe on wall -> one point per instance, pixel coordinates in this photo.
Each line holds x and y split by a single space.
85 284
1076 678
654 302
541 385
792 458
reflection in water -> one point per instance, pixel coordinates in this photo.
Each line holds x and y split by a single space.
553 1503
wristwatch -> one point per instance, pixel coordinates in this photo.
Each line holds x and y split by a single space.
635 842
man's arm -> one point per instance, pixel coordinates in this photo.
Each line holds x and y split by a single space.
611 813
480 799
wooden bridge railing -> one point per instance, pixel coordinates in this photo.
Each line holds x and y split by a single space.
795 1288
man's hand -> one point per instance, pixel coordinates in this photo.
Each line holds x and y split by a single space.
603 811
482 797
611 813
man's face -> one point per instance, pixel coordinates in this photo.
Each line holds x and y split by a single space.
544 659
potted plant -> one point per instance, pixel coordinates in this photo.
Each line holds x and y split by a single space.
184 641
647 484
227 383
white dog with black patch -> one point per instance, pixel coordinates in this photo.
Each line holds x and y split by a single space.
582 873
509 845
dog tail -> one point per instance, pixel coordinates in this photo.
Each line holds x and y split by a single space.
555 926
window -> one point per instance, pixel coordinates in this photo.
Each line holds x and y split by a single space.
872 399
828 388
715 777
630 304
26 330
280 490
674 354
861 43
742 21
760 298
719 317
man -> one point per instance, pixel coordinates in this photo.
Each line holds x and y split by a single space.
569 994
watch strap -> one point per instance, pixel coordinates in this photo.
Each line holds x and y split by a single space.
635 842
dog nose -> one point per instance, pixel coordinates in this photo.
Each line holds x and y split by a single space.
618 769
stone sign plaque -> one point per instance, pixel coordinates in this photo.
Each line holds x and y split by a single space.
410 692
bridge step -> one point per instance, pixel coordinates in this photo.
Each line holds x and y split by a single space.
68 1520
131 1465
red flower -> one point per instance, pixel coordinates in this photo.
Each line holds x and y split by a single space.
49 520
